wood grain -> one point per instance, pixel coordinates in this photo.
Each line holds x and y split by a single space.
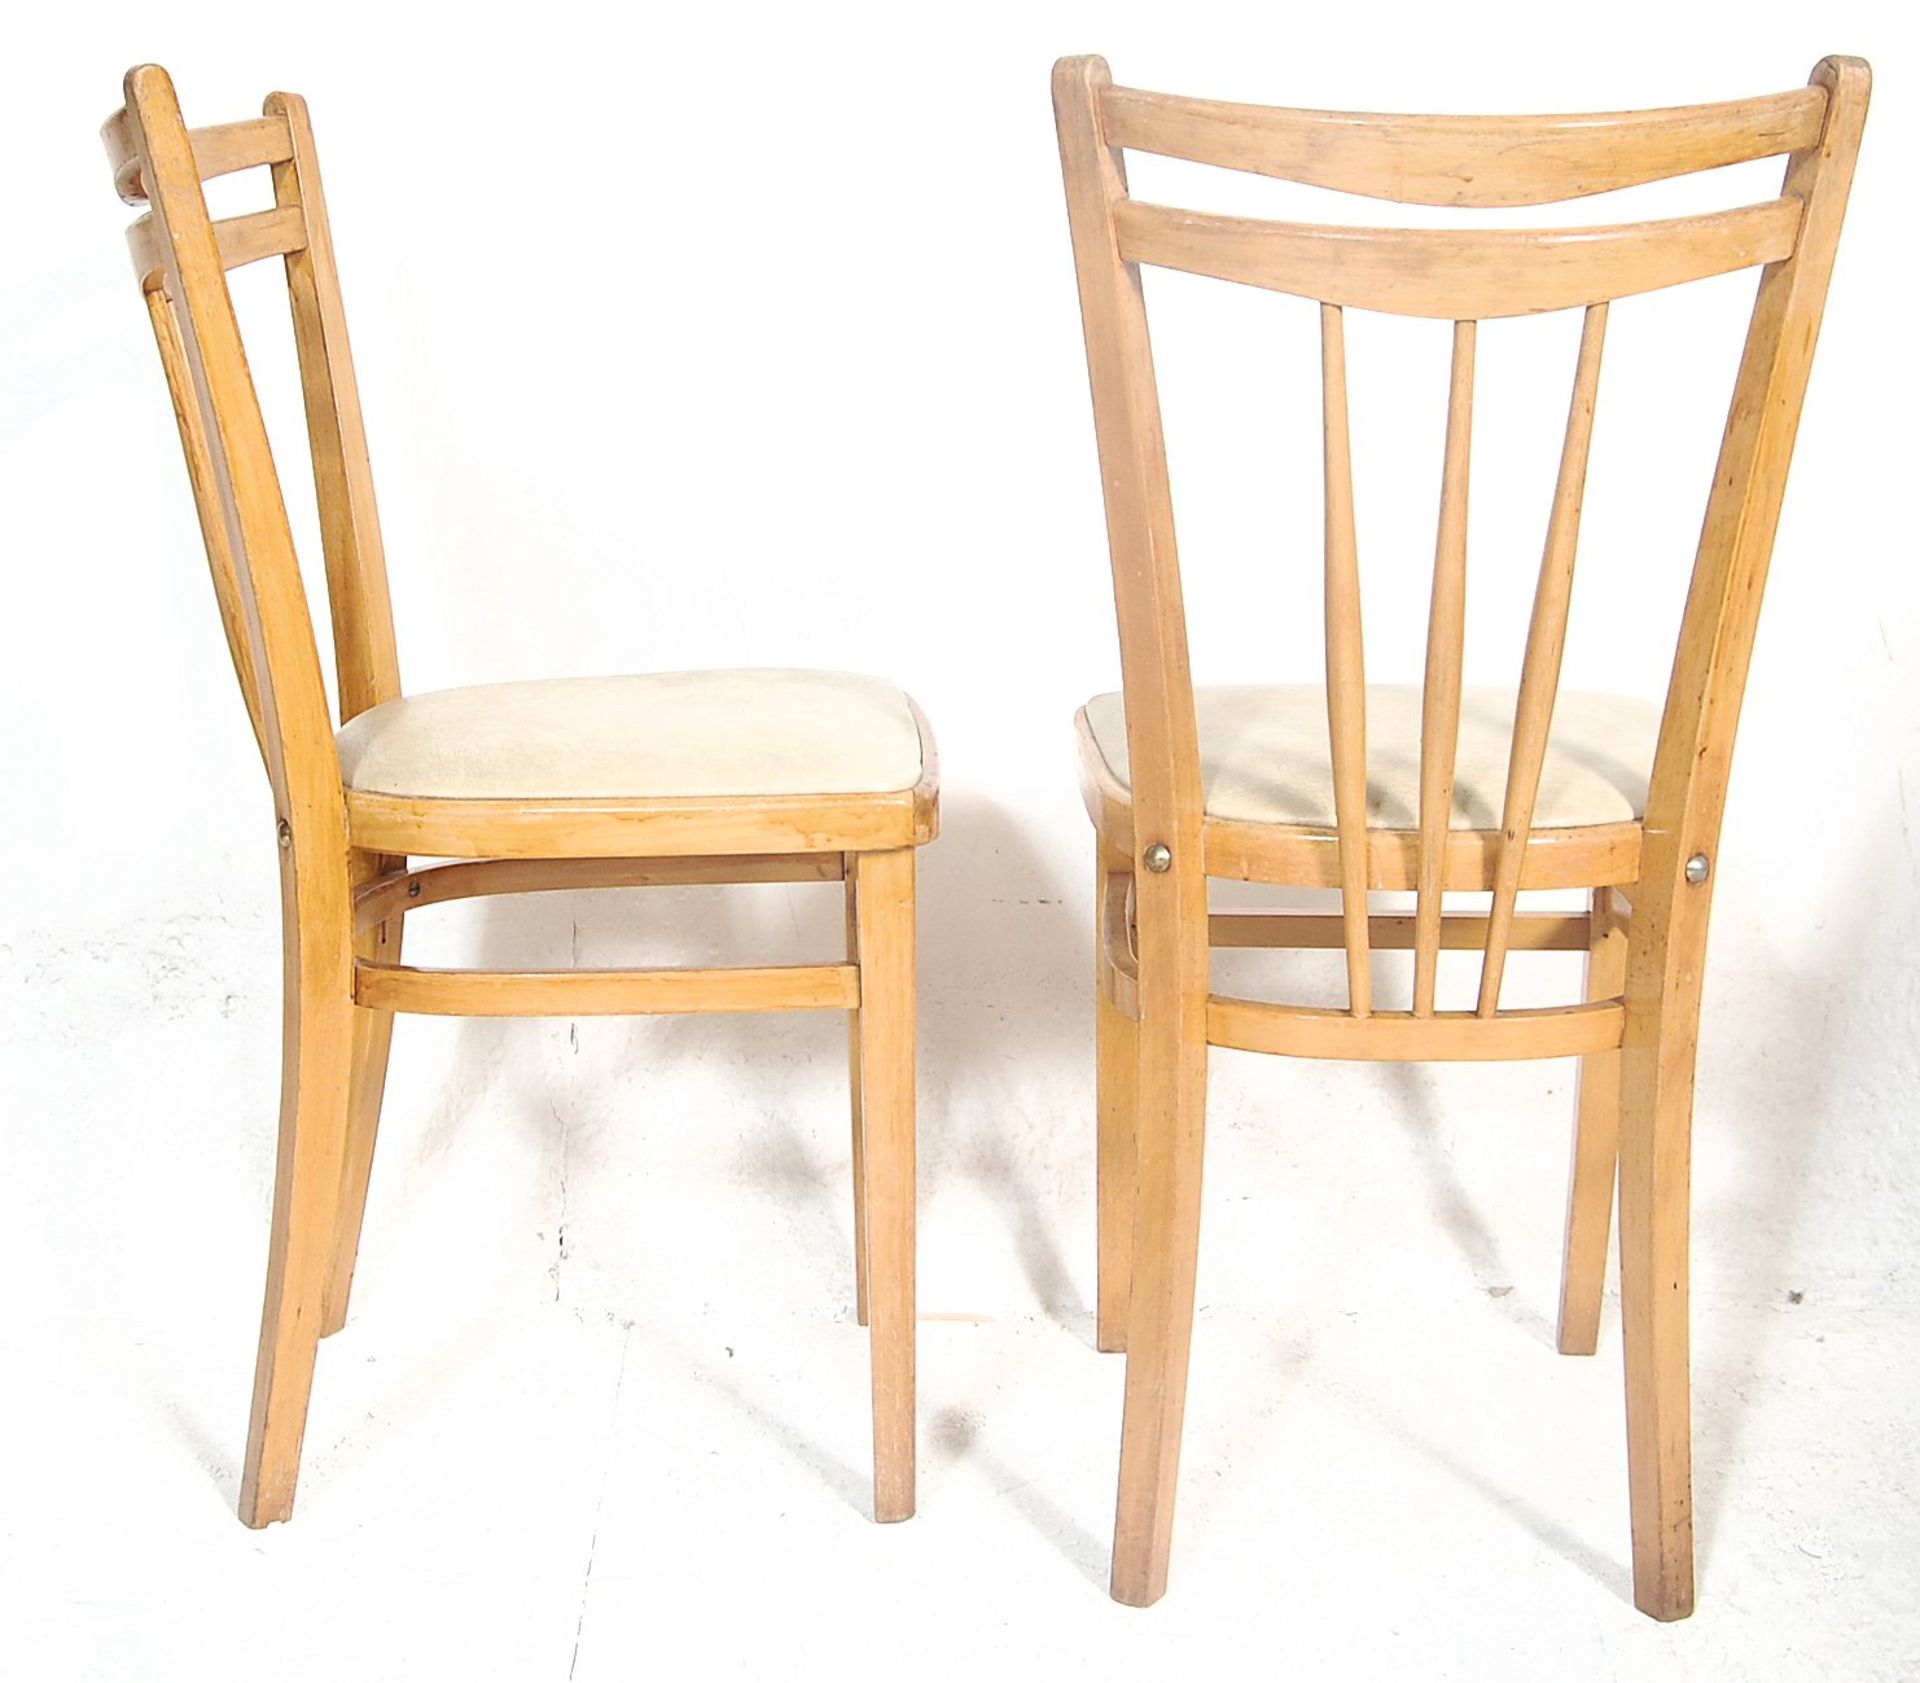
1116 1092
221 149
1346 659
240 240
1456 932
1455 274
1302 1031
1471 162
1596 1146
604 993
885 912
1171 904
1446 650
1540 667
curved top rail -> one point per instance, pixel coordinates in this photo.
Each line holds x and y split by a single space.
1479 163
220 150
1455 274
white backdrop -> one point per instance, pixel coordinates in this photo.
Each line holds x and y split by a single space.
714 338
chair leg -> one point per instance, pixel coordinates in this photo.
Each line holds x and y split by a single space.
859 1130
1656 1121
372 1039
316 1076
884 917
1116 1074
1170 1130
1596 1147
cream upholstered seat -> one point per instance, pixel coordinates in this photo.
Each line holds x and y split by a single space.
755 731
1264 755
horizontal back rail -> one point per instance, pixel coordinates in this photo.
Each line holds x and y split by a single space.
1303 1031
1556 932
1457 274
1476 163
242 240
223 149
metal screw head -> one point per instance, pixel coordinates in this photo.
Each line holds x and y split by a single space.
286 833
1698 868
1158 858
413 889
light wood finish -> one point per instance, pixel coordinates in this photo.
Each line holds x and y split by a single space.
240 240
346 885
1468 162
1457 932
604 993
1119 975
1117 1066
1346 659
400 890
1115 937
884 915
655 827
1666 949
1308 856
375 941
1645 934
1440 695
1448 274
1540 671
315 891
222 149
1596 1145
1170 906
850 901
1301 1031
208 501
363 640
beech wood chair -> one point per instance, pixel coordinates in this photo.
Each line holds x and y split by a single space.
1433 790
691 777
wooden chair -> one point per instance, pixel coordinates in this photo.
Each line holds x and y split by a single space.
697 777
1356 788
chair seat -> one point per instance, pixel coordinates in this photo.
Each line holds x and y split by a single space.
1265 758
665 735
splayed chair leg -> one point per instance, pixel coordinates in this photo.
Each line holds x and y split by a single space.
1656 1125
315 1085
1170 1124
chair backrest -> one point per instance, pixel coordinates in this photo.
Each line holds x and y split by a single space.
180 256
1463 276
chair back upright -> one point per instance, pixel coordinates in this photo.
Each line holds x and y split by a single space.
181 256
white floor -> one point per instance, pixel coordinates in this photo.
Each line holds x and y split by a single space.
600 1411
